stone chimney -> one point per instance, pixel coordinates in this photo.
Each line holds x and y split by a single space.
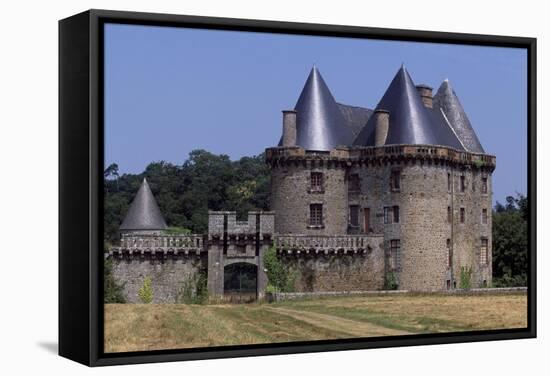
381 126
425 92
289 128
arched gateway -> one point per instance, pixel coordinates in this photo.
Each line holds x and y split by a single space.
240 282
235 254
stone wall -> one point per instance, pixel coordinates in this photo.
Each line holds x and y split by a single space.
423 199
231 241
291 196
467 236
167 274
352 263
337 272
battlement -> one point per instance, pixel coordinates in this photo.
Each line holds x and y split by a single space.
225 222
346 156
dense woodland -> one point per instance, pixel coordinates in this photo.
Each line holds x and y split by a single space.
206 181
186 192
510 242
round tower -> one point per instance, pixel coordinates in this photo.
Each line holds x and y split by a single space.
308 191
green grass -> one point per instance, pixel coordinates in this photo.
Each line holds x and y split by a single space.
134 327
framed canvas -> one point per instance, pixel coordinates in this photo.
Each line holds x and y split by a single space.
236 187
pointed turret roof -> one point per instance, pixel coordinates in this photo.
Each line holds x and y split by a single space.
144 213
411 122
320 123
446 101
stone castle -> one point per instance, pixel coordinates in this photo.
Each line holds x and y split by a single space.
359 197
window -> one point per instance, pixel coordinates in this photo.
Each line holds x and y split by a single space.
449 254
316 181
316 214
366 218
395 180
483 185
391 214
449 182
396 214
462 183
462 215
354 215
387 217
449 214
354 183
395 249
484 216
484 252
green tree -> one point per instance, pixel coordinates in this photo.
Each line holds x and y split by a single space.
145 293
113 292
510 242
186 192
465 278
280 278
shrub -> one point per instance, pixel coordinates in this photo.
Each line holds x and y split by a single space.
479 163
278 275
113 292
193 289
145 293
390 281
465 277
270 289
175 230
510 281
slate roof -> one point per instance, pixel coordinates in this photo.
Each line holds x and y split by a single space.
411 122
356 117
144 213
323 124
320 123
446 100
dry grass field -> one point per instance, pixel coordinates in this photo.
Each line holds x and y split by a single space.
134 327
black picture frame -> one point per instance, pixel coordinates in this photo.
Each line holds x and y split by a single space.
81 180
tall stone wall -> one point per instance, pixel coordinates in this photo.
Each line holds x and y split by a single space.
467 236
423 199
167 274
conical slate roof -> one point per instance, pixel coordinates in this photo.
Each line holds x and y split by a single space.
320 123
411 122
144 213
446 100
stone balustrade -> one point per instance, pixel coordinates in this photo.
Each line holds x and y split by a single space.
163 243
326 244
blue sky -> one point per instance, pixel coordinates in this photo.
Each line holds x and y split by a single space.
171 90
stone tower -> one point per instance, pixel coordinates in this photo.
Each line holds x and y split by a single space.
415 174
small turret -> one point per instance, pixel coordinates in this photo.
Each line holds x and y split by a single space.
144 215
